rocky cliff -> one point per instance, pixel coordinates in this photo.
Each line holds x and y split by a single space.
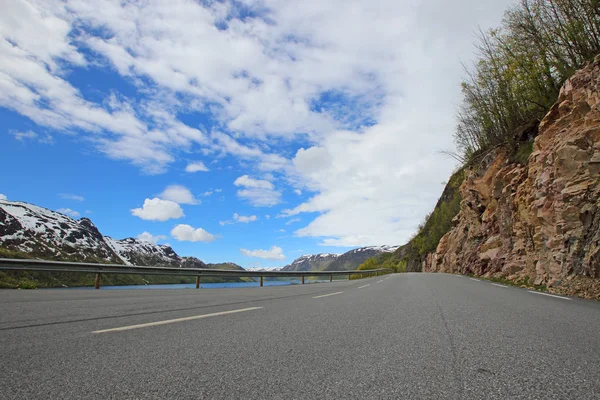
538 222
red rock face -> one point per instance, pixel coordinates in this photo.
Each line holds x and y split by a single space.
541 221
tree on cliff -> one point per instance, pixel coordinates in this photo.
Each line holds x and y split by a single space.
521 68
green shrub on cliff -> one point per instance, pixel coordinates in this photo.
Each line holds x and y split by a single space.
521 68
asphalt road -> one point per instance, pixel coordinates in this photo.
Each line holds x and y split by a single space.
421 336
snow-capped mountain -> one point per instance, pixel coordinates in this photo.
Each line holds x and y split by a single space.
337 262
135 252
49 234
261 269
46 234
311 262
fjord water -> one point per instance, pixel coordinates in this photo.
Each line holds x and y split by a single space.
203 285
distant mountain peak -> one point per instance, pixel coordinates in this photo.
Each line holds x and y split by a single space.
337 262
43 233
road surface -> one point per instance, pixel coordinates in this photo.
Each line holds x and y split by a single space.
402 336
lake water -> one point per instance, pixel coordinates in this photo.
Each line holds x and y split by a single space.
208 285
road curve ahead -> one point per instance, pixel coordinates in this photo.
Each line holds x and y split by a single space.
414 336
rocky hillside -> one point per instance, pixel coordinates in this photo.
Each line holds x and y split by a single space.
337 262
539 222
30 231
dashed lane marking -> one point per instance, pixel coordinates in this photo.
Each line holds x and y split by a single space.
548 294
171 321
325 295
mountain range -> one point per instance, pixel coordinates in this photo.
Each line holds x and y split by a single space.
38 232
30 231
337 262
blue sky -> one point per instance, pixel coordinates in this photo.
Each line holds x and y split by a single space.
314 126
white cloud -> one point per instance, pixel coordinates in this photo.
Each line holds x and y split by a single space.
248 182
291 221
150 238
30 135
3 196
178 194
207 193
22 136
218 190
244 218
372 160
46 139
257 191
298 192
267 216
69 212
186 233
196 166
71 196
158 210
274 253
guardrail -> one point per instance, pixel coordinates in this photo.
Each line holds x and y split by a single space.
8 264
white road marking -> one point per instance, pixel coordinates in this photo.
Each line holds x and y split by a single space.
171 321
379 281
495 284
363 286
473 279
548 294
325 295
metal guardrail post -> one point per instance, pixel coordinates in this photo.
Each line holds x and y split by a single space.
97 281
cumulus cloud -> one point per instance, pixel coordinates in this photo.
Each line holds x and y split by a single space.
258 192
71 196
178 194
274 253
291 221
69 212
186 233
150 238
3 196
158 210
248 182
196 166
244 218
